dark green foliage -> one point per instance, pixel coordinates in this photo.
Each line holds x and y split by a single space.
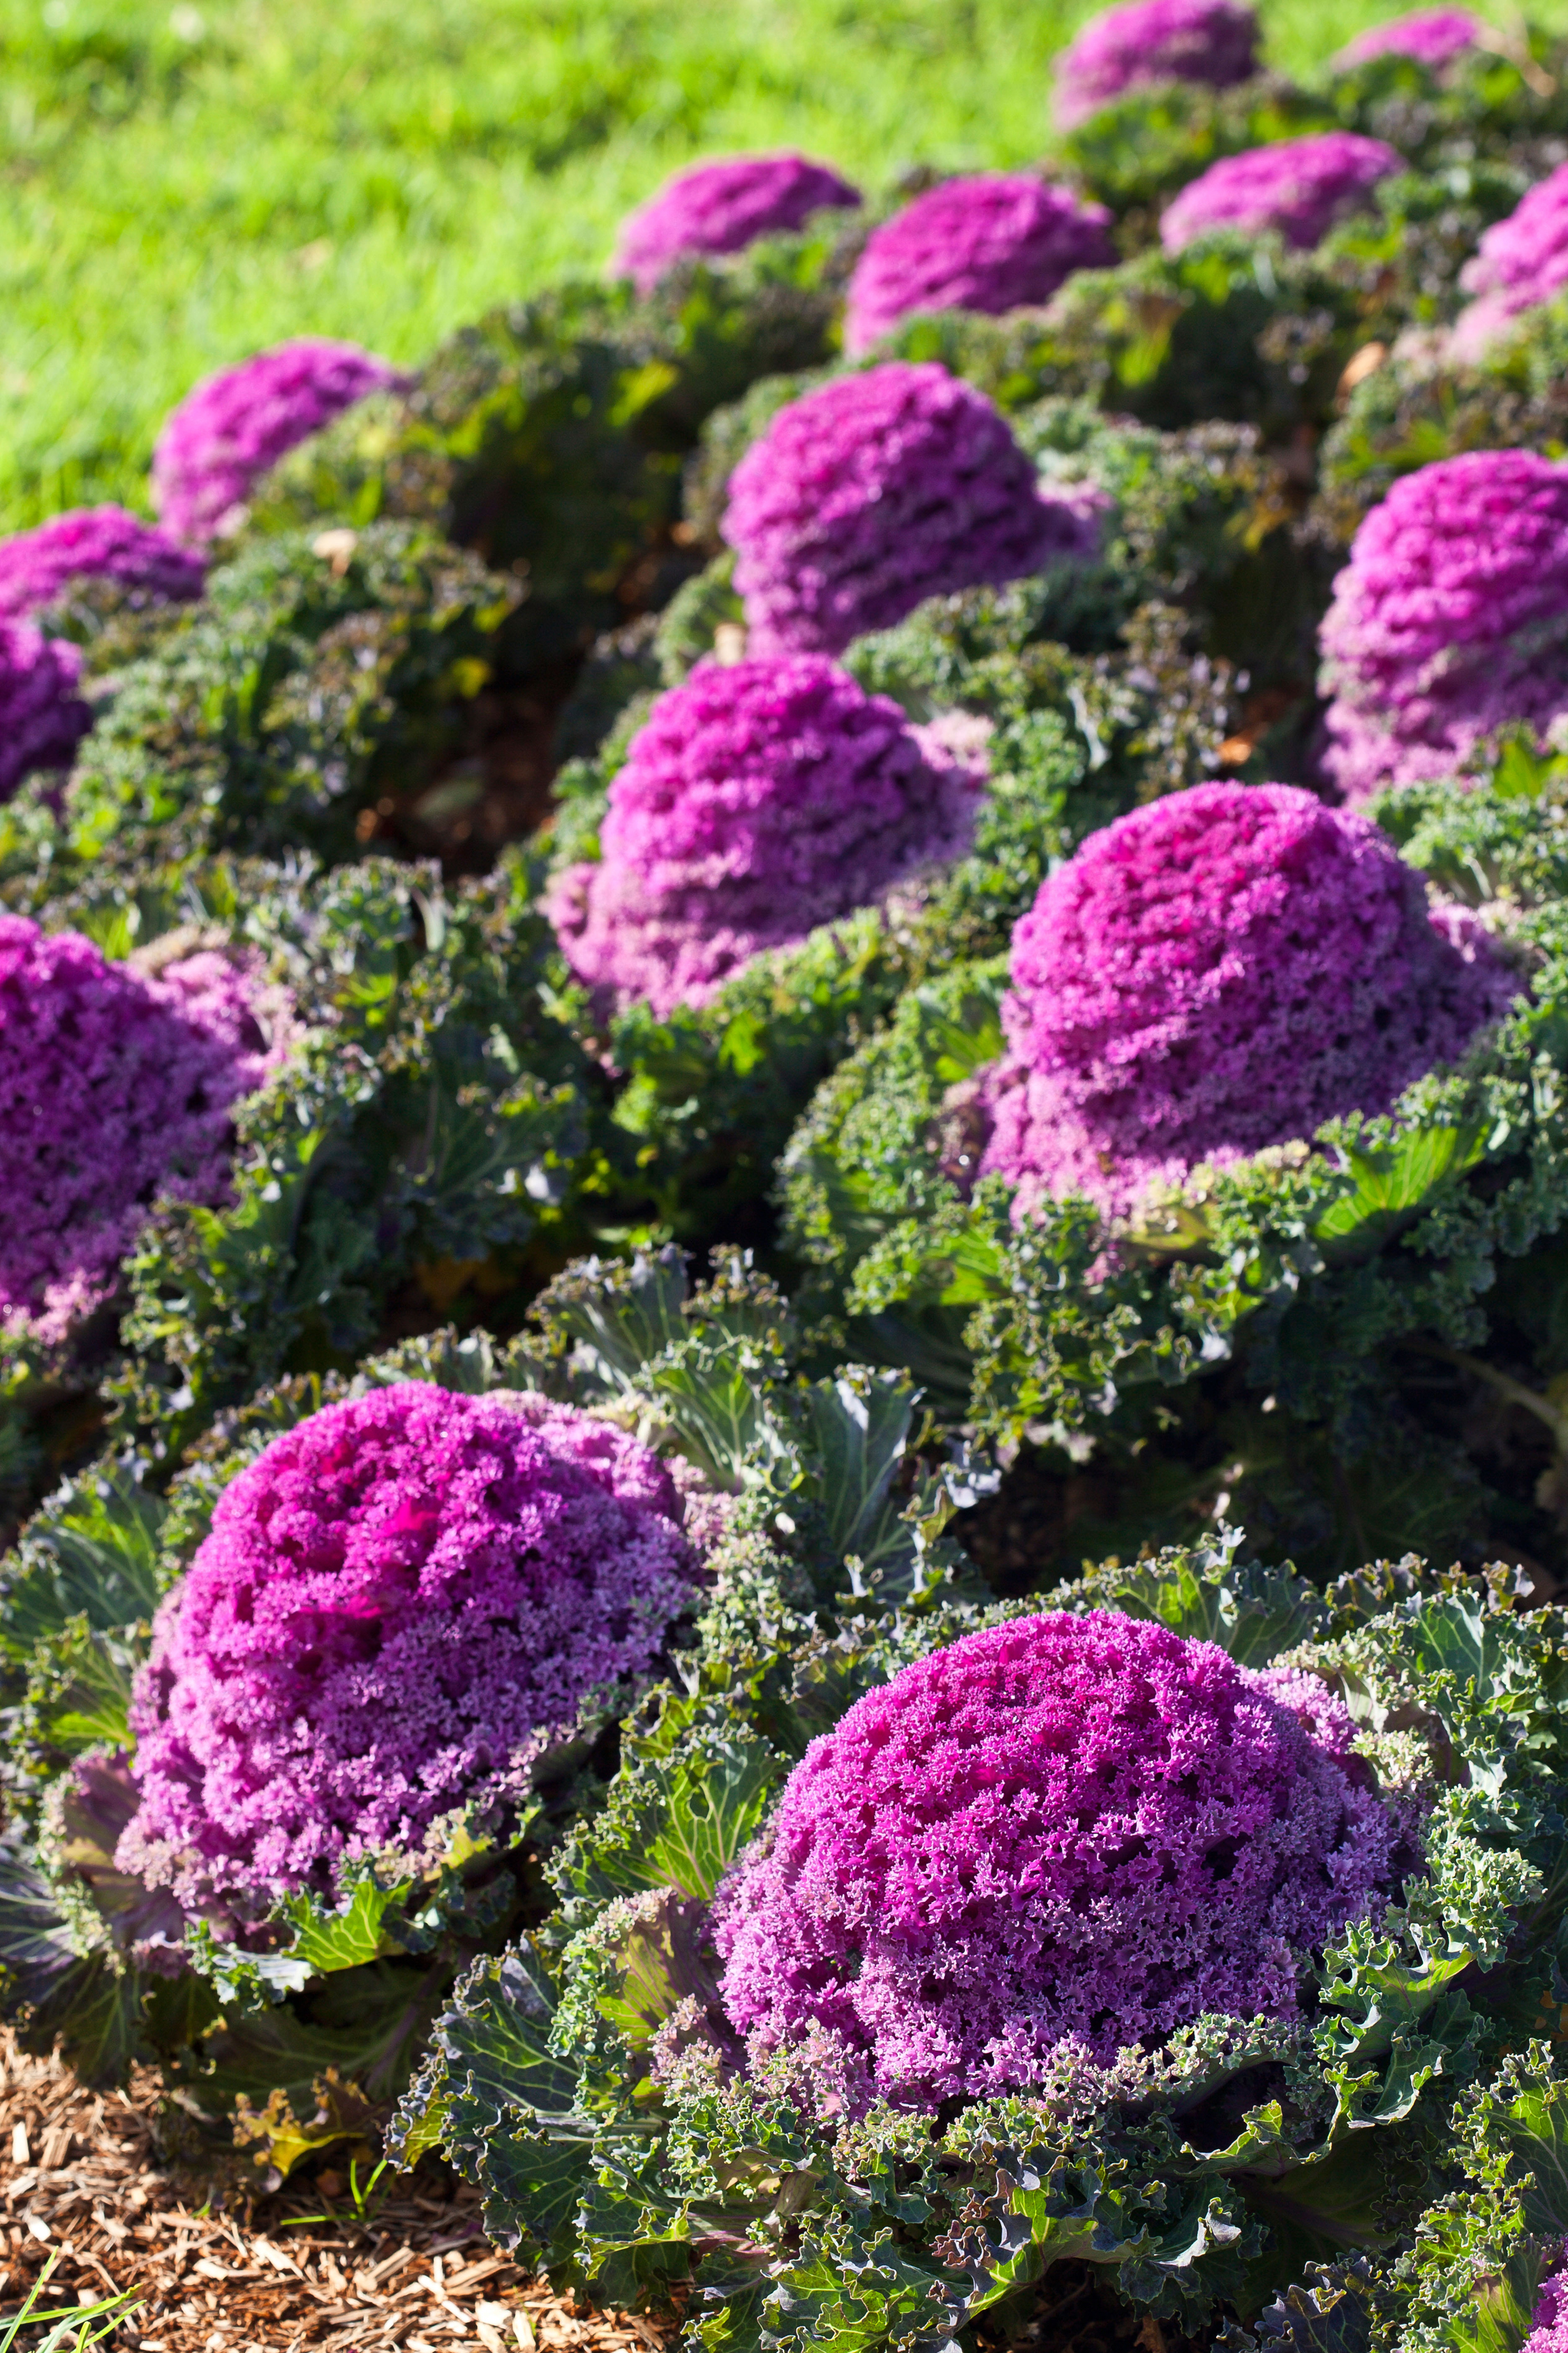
320 674
1228 329
428 1139
620 666
1358 1347
1404 256
1413 411
1135 152
1481 2252
1213 2172
549 439
1504 103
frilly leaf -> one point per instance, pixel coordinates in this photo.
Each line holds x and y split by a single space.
1206 1594
1327 2312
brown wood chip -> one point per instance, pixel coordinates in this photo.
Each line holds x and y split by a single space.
216 2267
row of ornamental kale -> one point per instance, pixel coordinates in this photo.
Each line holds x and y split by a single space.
721 1027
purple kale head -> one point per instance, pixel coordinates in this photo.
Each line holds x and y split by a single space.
880 490
1079 1830
1211 41
42 716
1433 37
1450 620
1549 2321
117 1088
227 433
1521 261
402 1605
1299 188
758 801
1220 971
722 207
998 242
96 544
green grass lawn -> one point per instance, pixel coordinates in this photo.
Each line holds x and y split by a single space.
184 185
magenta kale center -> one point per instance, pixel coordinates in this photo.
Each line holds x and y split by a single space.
1084 1829
401 1605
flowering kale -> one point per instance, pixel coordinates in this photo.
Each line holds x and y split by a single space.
998 242
757 802
1006 1825
118 1088
96 544
916 1909
1213 41
237 423
722 208
42 716
1299 187
1222 970
1521 261
1317 1275
1549 2321
1434 36
401 1605
878 490
1450 620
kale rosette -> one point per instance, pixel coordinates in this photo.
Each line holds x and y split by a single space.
1153 1925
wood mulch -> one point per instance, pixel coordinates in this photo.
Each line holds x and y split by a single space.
217 2267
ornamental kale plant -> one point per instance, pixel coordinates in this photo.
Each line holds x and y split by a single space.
119 1084
40 567
880 490
394 1624
1349 1336
235 425
757 802
320 677
1214 974
689 2077
1209 41
1298 189
437 1562
911 1930
1447 622
722 208
1521 261
1000 241
398 1607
